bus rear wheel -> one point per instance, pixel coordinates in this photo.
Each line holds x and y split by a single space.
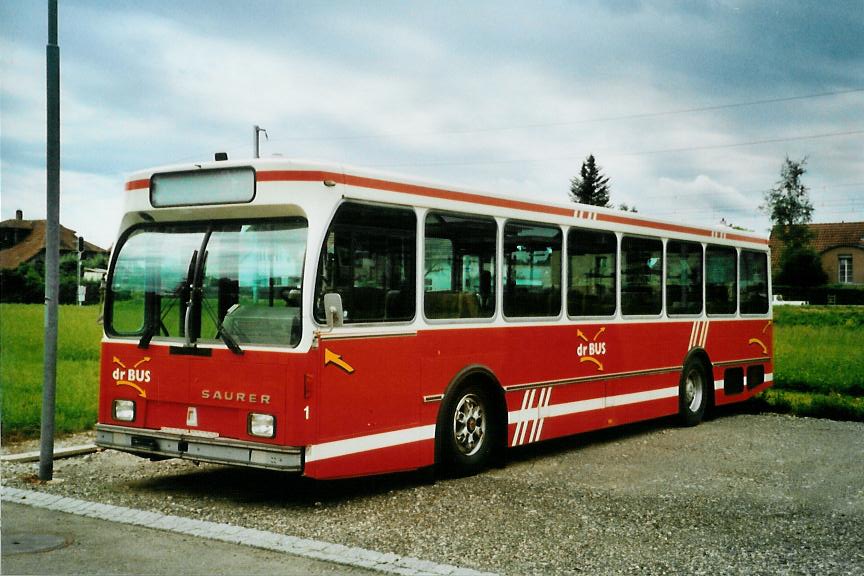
693 393
467 431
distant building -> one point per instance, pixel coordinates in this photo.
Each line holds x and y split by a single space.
94 274
23 240
840 245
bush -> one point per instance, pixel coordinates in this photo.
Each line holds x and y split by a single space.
801 266
26 284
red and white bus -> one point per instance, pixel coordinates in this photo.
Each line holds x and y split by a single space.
335 322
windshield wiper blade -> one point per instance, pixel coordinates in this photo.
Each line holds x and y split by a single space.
149 331
229 340
152 319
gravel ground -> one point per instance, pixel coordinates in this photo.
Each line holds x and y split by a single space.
740 494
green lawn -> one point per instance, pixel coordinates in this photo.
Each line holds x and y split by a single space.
819 365
819 361
22 329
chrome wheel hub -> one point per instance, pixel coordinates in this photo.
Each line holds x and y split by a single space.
693 390
469 424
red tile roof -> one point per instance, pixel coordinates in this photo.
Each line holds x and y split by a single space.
825 237
34 243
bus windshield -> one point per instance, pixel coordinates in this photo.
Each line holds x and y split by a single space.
238 282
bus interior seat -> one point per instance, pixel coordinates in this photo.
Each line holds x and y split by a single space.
365 303
398 304
452 304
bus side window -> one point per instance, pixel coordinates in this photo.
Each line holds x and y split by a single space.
754 282
459 266
721 280
369 260
591 272
641 276
683 277
532 270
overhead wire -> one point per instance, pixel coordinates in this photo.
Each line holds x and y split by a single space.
623 117
633 116
628 154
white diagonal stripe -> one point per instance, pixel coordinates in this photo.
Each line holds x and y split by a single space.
542 419
705 334
525 427
535 422
521 422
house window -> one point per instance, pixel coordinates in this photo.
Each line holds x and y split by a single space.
844 269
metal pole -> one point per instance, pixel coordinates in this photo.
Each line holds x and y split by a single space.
52 246
258 131
78 293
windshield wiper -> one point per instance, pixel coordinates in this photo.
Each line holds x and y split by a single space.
229 340
149 331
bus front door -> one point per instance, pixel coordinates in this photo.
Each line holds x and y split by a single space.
368 403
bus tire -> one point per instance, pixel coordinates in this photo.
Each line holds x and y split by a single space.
693 392
467 430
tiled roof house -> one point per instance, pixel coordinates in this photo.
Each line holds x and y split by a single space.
841 247
22 240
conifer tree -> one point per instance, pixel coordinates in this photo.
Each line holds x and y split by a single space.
591 186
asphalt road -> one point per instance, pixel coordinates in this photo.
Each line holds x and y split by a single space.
739 494
80 545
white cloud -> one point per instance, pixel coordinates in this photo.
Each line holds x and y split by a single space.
169 85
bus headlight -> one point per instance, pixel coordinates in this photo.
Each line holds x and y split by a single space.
262 425
124 410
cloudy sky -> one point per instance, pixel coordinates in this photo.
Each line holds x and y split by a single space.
689 108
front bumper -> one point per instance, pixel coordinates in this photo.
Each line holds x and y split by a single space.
199 447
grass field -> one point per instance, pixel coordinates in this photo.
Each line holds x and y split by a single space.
818 362
22 328
819 365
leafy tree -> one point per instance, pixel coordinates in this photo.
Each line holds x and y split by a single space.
623 206
789 207
26 283
800 266
591 186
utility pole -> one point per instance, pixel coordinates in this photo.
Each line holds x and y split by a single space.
52 246
258 130
81 294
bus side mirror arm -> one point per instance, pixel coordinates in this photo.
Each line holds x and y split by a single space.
333 309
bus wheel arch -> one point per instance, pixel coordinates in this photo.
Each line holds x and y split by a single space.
473 412
695 388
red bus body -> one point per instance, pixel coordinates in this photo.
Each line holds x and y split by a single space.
357 400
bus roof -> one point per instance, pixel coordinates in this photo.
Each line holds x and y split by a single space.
296 170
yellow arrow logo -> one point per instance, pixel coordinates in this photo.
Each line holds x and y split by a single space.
117 361
592 359
140 390
760 343
146 359
581 335
603 329
333 358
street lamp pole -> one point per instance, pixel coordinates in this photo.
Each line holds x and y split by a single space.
258 130
52 246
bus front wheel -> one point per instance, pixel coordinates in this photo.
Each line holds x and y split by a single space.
467 430
693 393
